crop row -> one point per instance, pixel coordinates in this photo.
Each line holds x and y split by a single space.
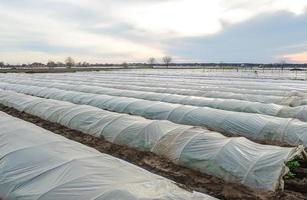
234 159
249 125
32 169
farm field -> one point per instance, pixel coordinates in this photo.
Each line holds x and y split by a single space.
153 100
227 134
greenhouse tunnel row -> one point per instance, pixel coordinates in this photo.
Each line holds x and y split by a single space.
32 169
234 159
253 126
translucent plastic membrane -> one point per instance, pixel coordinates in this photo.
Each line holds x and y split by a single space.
199 77
186 78
232 159
252 126
162 87
268 75
298 112
181 81
291 98
37 164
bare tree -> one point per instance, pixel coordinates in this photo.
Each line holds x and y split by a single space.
69 62
60 64
167 60
2 64
125 65
85 64
151 61
282 64
51 64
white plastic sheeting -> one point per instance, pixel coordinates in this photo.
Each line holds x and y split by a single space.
213 74
182 79
290 99
192 83
196 81
194 90
233 159
37 164
299 112
186 90
252 126
198 77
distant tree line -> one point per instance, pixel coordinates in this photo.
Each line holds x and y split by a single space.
68 63
166 61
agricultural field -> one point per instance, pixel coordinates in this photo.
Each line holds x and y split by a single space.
154 133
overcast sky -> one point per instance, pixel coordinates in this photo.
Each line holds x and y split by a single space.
133 30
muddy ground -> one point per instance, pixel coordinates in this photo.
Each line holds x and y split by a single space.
295 189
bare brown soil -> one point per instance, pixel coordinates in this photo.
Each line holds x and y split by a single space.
295 189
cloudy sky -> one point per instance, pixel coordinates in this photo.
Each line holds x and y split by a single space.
132 30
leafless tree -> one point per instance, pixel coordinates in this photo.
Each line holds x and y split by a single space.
69 62
1 64
151 61
282 64
60 64
78 64
125 65
85 64
51 64
167 60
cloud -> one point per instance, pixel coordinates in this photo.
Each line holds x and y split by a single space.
266 38
39 32
133 30
202 17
